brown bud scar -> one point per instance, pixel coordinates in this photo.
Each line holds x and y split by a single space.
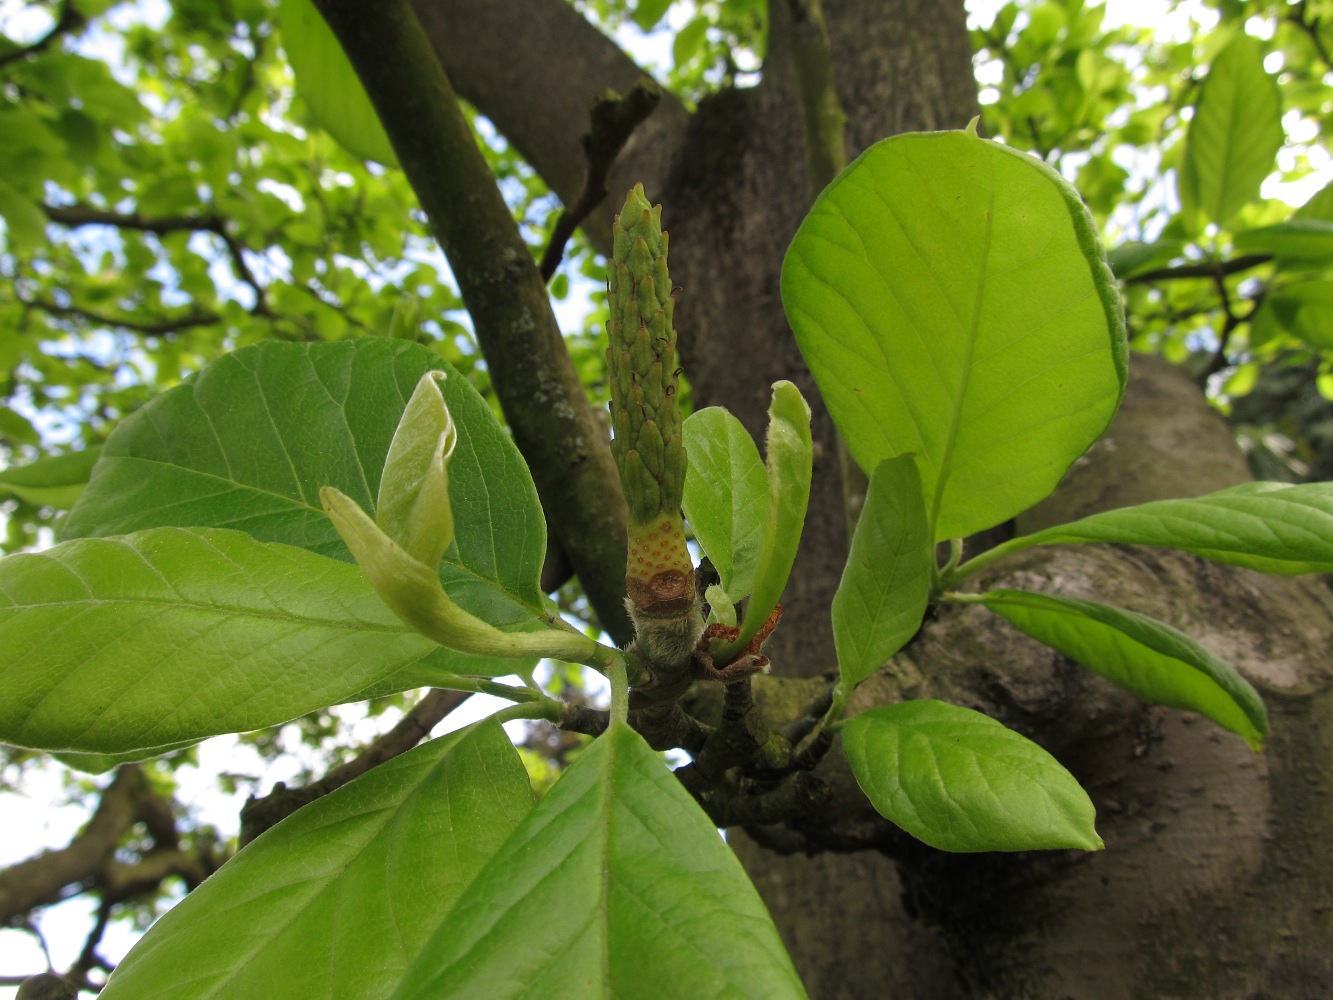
669 592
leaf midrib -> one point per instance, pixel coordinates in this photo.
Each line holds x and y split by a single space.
216 610
956 416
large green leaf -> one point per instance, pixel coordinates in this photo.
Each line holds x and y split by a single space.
882 596
726 495
338 899
55 481
173 634
1271 527
329 85
616 885
960 781
952 300
1233 138
1145 656
789 458
248 443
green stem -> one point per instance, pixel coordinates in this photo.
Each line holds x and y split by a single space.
546 709
954 575
606 660
832 720
953 597
480 685
955 554
619 691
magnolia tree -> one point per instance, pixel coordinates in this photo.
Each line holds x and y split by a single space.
953 660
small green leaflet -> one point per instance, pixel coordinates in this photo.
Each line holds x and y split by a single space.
1153 660
616 885
960 781
789 459
882 596
726 495
339 898
413 503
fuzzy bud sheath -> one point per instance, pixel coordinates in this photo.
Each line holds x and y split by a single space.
649 453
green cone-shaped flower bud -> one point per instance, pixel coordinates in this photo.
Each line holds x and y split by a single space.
644 411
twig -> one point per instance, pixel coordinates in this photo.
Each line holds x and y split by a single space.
42 879
259 814
668 726
46 986
1205 270
158 328
88 957
585 720
614 119
75 216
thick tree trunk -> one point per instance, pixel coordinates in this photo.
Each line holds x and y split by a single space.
1216 881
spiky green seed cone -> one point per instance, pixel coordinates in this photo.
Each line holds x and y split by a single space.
644 412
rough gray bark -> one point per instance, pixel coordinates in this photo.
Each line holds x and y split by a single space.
1216 882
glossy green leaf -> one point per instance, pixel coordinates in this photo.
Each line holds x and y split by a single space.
56 481
789 456
615 885
1271 527
1232 141
175 634
329 85
250 441
960 781
1295 241
1142 655
338 899
413 504
882 596
952 300
726 495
